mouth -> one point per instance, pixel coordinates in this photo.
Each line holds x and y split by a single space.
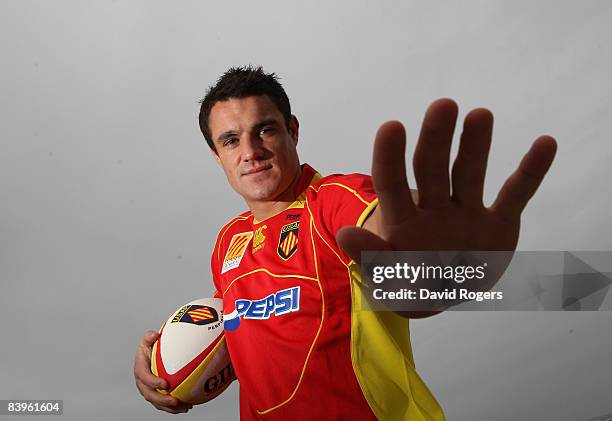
257 170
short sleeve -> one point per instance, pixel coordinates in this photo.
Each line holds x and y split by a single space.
340 200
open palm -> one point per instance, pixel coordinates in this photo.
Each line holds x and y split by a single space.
449 213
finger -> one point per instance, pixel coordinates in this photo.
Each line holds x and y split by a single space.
389 173
159 400
143 373
142 370
431 156
149 338
173 410
180 407
470 165
354 240
523 183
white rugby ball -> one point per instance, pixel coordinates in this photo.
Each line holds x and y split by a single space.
190 352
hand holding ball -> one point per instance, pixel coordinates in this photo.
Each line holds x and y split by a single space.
190 352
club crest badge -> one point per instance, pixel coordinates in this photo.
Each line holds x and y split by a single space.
288 240
197 315
236 250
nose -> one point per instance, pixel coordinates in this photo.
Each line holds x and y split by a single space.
252 147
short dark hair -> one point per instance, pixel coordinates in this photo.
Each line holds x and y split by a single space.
241 82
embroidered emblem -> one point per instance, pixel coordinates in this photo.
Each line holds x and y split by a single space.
288 240
236 250
259 238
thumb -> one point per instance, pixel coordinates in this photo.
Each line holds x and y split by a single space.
353 240
150 337
147 341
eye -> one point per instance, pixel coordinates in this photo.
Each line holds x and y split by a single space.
266 131
230 141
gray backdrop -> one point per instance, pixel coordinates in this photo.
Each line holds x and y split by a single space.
111 201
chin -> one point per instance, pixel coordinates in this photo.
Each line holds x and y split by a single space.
262 190
258 194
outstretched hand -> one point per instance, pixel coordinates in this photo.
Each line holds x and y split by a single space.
449 213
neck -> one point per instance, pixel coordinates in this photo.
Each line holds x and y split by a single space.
264 209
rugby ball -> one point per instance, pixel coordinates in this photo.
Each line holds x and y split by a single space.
190 352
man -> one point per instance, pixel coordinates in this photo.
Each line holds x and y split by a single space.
303 235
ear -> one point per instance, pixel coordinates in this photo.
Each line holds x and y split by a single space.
294 129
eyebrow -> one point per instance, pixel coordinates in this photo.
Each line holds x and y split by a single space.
266 122
258 126
225 135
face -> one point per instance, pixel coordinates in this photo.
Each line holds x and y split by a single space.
255 148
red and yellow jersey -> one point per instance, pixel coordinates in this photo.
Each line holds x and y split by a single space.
299 344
